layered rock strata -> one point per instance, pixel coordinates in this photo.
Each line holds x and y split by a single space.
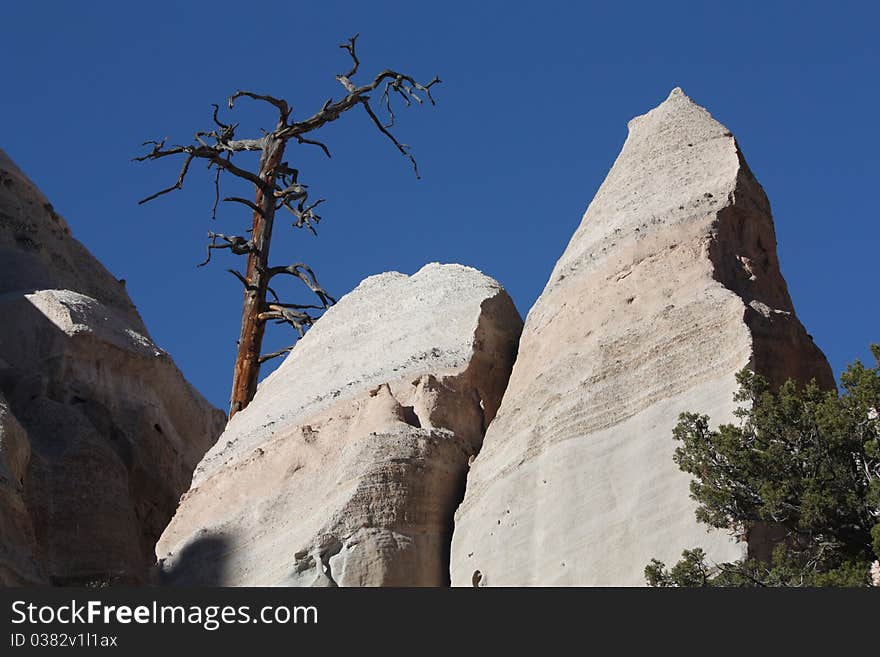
670 285
347 466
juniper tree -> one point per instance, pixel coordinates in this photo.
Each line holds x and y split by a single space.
802 468
277 186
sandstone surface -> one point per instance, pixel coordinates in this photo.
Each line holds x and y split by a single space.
670 285
347 466
99 431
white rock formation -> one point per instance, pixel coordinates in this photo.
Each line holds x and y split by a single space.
99 431
348 464
670 285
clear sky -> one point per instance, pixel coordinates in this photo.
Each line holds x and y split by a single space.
530 116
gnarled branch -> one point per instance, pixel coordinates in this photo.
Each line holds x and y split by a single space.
284 315
291 191
237 199
404 85
214 155
248 286
307 276
183 170
275 354
235 243
277 186
280 103
305 214
403 148
349 46
313 142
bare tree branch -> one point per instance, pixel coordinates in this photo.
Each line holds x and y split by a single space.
238 245
331 111
305 215
322 146
398 84
386 100
178 185
274 294
237 199
241 173
241 278
293 190
275 354
405 85
216 192
403 148
279 103
307 276
158 151
282 315
276 186
210 153
297 306
349 46
224 126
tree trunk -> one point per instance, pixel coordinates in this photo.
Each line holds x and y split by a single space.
250 343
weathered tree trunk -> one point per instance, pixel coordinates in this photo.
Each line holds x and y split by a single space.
291 195
250 342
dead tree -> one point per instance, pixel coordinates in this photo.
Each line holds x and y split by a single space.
276 186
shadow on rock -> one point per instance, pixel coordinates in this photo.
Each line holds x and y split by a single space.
202 562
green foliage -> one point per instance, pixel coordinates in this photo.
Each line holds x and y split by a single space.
801 465
690 571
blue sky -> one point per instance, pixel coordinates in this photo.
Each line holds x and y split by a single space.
530 116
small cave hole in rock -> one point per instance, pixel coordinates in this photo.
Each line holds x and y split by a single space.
476 578
410 417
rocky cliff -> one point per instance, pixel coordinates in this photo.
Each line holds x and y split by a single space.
670 285
348 464
99 431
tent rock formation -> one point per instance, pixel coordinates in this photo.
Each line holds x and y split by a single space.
347 466
670 285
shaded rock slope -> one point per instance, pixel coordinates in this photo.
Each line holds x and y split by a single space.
348 464
99 431
670 285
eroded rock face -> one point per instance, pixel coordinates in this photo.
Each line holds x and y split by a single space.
348 464
670 285
99 431
18 564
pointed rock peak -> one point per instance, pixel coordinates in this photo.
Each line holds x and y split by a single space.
678 113
679 100
669 286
